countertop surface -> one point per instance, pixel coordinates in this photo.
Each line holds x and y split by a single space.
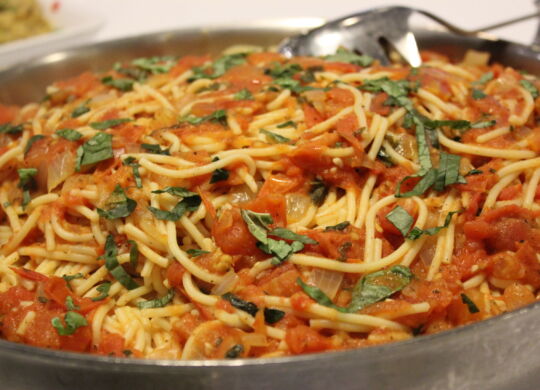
131 17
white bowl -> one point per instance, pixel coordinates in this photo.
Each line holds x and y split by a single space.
72 23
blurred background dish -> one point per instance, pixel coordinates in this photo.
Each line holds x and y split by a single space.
54 26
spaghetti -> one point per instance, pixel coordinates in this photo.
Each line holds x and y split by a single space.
257 206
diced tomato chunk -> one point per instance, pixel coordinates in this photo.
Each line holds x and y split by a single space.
303 339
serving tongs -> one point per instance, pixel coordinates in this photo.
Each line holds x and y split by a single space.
379 32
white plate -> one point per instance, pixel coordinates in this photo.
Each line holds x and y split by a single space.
73 24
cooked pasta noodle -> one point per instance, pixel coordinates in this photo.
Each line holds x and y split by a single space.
254 206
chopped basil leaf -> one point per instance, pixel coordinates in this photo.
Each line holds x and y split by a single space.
283 71
180 192
484 78
80 110
104 125
453 124
370 289
286 124
26 183
309 75
96 149
124 85
218 67
127 352
243 94
156 149
318 192
319 296
416 233
423 148
248 307
385 158
275 137
234 352
401 219
114 267
31 141
478 94
483 124
530 88
190 202
103 290
280 249
289 235
218 175
339 227
70 305
69 278
155 64
131 71
422 186
218 116
133 253
159 302
69 134
344 55
8 128
474 172
470 304
448 171
131 162
394 88
293 85
271 316
118 205
73 321
196 252
257 224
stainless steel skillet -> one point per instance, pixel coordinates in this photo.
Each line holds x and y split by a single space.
500 353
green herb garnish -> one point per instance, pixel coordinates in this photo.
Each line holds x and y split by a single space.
131 162
104 125
243 94
156 149
69 134
530 88
318 192
370 289
114 267
339 227
344 55
190 202
470 304
401 219
158 302
124 85
196 252
118 205
275 137
96 149
26 183
73 321
103 290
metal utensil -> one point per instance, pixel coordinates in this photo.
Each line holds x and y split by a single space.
376 31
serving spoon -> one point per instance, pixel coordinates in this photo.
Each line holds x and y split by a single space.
377 32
